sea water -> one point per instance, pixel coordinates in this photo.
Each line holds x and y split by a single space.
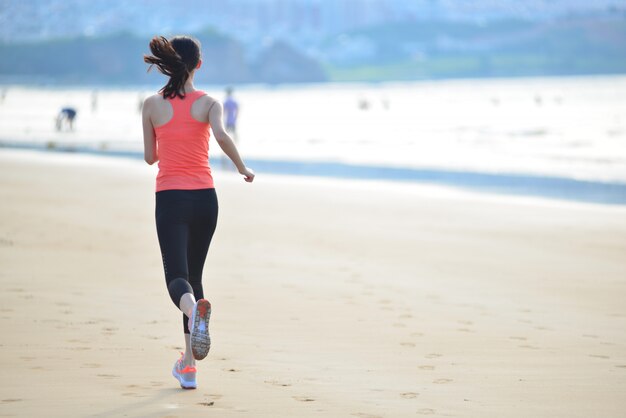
570 128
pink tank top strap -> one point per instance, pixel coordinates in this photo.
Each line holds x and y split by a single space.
182 107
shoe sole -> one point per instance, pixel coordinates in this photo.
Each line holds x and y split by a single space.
200 339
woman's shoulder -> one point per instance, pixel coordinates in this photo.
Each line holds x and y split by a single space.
206 97
206 100
153 99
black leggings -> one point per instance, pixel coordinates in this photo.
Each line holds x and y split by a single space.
185 221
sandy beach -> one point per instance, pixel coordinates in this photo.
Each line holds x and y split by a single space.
330 298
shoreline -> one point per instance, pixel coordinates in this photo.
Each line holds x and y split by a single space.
505 184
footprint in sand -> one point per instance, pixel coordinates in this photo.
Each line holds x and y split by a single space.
621 366
107 376
277 383
426 411
518 338
426 367
590 336
148 337
77 341
407 344
133 394
91 366
303 399
599 356
11 400
542 328
409 395
364 415
399 325
442 381
5 242
433 355
206 403
528 346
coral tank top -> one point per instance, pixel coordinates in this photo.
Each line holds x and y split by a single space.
183 148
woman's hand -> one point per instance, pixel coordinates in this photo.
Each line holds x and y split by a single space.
248 174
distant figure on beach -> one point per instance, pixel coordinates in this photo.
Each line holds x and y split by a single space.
66 118
3 95
94 101
176 124
231 113
140 103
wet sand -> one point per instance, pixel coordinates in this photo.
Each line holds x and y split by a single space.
330 298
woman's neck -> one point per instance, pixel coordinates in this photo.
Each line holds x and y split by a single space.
188 87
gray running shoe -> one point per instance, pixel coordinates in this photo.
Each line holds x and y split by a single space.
186 376
199 330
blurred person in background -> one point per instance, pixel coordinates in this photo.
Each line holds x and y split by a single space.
231 113
66 117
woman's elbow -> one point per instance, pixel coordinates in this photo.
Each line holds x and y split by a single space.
221 137
150 160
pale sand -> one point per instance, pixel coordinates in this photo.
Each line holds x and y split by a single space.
330 298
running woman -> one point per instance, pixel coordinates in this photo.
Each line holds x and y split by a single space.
176 124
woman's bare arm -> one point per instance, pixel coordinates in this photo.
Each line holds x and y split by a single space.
149 138
225 142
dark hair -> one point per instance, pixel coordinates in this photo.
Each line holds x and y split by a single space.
176 58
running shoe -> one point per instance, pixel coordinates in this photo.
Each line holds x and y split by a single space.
199 330
186 376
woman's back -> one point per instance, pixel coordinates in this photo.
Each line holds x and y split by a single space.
182 135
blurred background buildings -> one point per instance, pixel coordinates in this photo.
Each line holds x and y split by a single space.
284 41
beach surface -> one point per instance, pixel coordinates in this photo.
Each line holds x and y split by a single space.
330 298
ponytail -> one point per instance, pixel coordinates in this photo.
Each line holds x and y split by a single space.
176 59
